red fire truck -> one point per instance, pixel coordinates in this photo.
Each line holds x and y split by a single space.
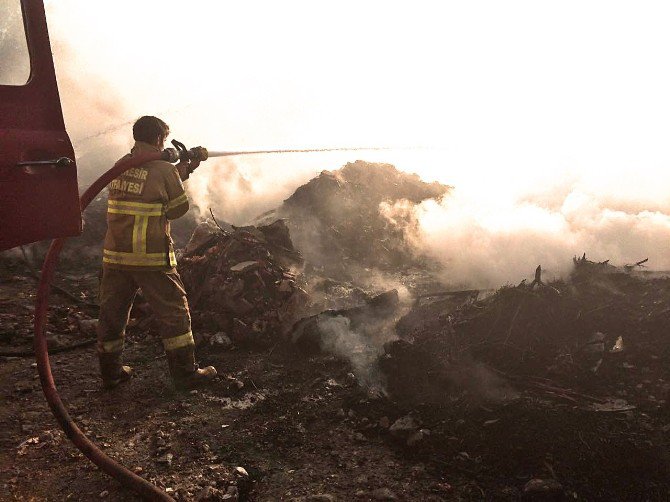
39 197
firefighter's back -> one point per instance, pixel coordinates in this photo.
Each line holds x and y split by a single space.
141 202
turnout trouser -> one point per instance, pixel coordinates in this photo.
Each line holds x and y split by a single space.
166 295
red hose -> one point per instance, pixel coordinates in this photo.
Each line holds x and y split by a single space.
128 479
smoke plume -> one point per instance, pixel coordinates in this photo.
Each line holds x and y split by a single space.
340 340
362 341
487 243
241 189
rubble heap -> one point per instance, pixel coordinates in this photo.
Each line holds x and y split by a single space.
568 331
240 283
335 218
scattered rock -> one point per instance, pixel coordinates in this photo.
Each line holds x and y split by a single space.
403 426
165 459
210 494
232 493
384 494
321 497
443 487
361 480
538 489
416 437
24 387
234 384
220 340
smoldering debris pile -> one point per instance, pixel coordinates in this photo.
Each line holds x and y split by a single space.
356 335
335 218
573 331
240 283
368 318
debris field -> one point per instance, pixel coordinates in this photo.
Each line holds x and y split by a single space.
335 386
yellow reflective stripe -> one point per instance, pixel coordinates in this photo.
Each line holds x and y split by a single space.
135 211
122 253
177 342
136 262
140 234
149 259
177 201
136 231
138 259
143 233
111 346
135 208
126 203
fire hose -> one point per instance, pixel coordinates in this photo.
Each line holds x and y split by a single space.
108 465
127 478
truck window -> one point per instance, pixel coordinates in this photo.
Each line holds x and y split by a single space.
14 55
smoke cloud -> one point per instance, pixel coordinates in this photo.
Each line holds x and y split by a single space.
362 344
340 340
487 243
241 189
95 115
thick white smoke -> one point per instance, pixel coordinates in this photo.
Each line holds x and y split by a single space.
339 339
490 242
240 189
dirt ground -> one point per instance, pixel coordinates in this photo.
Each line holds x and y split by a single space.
281 424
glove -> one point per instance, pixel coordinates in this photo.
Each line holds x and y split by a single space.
184 169
193 164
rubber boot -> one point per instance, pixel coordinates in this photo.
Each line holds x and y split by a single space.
185 372
112 371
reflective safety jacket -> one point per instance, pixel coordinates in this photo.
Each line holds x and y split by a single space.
141 202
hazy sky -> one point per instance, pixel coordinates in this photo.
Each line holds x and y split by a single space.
502 86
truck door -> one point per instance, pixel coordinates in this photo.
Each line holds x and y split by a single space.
39 198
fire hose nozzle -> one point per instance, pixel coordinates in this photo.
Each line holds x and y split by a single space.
198 153
180 153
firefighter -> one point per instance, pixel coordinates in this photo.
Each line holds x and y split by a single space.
138 253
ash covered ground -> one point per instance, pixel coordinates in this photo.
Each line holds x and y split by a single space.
348 371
